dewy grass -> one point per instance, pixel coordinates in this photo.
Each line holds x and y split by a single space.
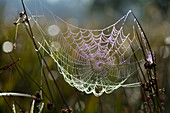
149 85
16 94
13 108
32 109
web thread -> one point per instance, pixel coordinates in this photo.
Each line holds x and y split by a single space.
93 61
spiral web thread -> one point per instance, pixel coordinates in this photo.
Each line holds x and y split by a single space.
93 61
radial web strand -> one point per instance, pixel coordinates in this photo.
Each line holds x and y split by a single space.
93 61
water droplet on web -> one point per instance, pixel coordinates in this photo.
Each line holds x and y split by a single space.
7 46
134 19
149 57
36 50
142 34
53 30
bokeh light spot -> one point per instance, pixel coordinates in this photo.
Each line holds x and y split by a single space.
80 106
167 40
7 46
164 51
53 30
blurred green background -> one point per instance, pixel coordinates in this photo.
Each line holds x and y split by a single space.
154 16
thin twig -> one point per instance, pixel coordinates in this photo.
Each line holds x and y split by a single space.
9 65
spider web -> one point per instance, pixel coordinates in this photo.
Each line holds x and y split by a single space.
93 61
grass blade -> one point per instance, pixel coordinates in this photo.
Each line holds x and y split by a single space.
32 107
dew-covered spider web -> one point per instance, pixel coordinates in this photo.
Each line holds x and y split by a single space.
93 61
